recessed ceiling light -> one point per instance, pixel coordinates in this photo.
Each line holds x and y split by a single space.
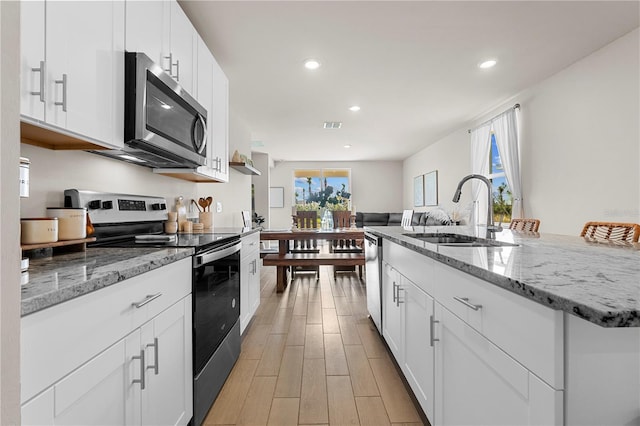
311 64
347 146
488 63
354 108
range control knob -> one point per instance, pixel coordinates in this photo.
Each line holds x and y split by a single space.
107 205
158 206
94 204
163 206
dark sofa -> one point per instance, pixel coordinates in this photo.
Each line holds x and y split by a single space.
394 219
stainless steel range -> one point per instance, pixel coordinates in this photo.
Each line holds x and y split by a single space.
119 218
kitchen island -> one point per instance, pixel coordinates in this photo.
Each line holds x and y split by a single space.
542 330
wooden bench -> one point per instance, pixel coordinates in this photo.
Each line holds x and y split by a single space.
283 261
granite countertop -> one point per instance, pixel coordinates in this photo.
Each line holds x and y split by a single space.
596 282
60 278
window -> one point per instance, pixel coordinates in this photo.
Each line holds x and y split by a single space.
322 188
502 199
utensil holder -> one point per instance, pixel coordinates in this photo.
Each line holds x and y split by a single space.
206 219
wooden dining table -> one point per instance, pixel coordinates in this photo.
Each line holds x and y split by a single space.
284 236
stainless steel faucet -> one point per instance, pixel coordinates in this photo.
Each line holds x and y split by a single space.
456 197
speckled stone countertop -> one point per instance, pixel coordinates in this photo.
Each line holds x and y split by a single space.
60 278
597 282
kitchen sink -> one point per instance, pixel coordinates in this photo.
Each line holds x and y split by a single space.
457 240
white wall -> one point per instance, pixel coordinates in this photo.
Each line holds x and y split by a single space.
580 143
9 215
376 186
52 172
261 185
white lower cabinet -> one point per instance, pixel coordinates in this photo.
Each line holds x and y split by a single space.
144 378
407 315
458 342
478 383
391 314
418 363
249 278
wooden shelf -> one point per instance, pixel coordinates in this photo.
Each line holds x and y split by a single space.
83 241
244 168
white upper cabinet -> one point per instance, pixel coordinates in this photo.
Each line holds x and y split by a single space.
83 63
181 57
148 24
32 60
220 123
204 92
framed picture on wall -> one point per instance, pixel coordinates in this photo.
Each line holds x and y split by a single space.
418 191
276 197
431 188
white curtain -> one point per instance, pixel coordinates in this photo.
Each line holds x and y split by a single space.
480 147
505 129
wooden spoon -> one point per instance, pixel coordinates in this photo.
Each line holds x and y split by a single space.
203 203
209 202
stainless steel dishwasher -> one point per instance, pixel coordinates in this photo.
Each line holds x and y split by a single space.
373 269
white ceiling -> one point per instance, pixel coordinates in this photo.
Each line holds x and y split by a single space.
410 66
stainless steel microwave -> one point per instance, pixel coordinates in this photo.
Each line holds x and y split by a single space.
160 116
164 126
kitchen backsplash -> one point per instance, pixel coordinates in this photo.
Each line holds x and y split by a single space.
52 172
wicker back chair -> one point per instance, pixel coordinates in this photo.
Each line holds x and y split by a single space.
530 225
611 231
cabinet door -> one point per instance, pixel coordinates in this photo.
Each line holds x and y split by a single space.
254 284
204 94
147 29
103 390
220 122
245 274
418 366
476 382
85 68
391 312
166 341
182 48
32 56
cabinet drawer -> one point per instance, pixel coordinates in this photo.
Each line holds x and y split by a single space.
250 244
529 332
57 340
416 267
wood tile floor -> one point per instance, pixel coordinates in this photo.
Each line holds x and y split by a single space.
312 356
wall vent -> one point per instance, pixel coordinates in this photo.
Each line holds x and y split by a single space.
332 124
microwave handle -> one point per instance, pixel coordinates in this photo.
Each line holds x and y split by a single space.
199 145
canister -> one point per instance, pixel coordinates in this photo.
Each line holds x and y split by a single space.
38 230
72 222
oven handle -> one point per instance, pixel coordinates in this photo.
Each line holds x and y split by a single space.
215 254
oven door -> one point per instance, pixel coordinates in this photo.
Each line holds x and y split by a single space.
216 299
160 116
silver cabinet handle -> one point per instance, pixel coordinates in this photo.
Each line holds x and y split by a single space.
220 164
64 92
432 330
170 58
142 369
154 345
465 301
177 64
394 292
398 301
149 298
41 70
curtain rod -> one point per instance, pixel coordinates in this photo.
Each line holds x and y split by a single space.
516 106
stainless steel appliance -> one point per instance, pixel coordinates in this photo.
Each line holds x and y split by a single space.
122 220
373 269
164 126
